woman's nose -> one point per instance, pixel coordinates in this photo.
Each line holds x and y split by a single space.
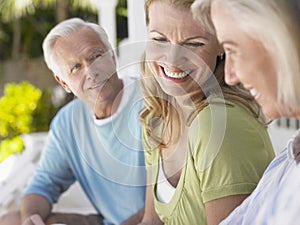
176 54
230 74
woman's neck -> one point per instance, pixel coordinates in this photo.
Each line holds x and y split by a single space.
186 108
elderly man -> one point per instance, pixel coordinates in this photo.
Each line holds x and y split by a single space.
95 139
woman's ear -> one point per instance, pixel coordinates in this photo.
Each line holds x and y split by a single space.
63 84
221 51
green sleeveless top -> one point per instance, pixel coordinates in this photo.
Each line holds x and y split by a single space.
228 151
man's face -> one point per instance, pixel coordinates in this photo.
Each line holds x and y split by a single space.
88 69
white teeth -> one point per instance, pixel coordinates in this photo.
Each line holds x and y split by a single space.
177 75
97 85
253 92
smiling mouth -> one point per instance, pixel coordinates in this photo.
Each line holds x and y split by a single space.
176 75
253 92
99 84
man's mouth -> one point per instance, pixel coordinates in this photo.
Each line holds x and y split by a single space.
98 84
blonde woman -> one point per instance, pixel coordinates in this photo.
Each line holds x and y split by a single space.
206 146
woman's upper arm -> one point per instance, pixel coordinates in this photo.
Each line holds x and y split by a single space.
219 209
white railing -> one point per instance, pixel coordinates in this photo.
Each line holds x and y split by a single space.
130 49
281 130
136 20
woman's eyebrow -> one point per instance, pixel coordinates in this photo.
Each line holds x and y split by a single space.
229 43
196 37
155 31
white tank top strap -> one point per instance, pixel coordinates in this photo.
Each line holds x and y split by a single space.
165 190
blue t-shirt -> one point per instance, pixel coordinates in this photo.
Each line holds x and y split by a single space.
105 156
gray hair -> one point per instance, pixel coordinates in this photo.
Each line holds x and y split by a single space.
276 24
63 29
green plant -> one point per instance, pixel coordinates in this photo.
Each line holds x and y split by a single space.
43 113
23 109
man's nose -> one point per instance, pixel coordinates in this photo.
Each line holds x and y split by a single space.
91 70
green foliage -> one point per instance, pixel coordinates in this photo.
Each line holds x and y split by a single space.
34 27
43 114
23 109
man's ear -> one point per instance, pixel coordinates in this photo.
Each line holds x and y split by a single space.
63 84
112 54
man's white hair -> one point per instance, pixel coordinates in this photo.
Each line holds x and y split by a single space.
63 29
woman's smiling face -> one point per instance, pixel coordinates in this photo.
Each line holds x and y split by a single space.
247 61
182 55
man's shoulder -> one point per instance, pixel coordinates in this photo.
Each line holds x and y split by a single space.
131 90
67 112
70 106
129 77
131 81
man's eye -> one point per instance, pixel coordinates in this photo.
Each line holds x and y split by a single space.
75 68
95 56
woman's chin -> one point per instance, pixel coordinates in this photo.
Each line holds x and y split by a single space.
271 113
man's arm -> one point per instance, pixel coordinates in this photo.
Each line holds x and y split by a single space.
135 219
34 205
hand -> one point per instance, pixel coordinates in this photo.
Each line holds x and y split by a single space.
34 220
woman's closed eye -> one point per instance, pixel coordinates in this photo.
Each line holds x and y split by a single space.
193 44
159 39
229 51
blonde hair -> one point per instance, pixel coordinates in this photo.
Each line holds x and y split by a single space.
276 24
159 115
